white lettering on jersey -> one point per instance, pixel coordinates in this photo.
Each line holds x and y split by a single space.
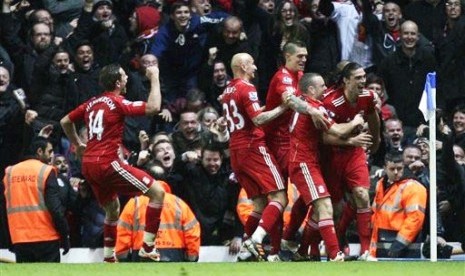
294 121
206 19
233 115
105 100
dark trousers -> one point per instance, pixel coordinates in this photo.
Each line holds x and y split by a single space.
37 252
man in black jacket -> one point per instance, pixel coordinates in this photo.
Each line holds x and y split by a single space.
404 73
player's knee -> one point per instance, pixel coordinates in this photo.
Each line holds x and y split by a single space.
361 195
156 192
112 210
279 196
259 204
324 208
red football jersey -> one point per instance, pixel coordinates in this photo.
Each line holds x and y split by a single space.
104 119
282 81
305 137
240 105
341 111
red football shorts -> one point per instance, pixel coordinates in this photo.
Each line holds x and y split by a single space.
255 169
347 169
115 177
279 148
308 180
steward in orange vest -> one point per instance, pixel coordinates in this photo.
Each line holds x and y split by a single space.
35 212
178 238
398 211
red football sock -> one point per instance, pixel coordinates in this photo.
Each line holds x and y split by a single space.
364 228
252 223
271 215
152 217
310 237
328 233
298 212
109 233
275 236
348 215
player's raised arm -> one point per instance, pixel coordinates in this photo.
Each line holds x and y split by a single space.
154 100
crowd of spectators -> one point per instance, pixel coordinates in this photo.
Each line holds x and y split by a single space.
51 53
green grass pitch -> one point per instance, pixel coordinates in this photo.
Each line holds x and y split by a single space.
246 269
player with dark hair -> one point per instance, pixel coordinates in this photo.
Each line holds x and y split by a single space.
102 166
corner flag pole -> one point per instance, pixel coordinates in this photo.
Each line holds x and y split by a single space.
428 107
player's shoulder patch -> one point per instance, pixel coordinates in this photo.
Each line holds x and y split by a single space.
126 102
253 96
287 80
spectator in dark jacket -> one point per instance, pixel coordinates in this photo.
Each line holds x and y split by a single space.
324 47
451 57
53 82
11 125
228 41
451 191
86 72
404 73
212 198
179 46
100 26
25 53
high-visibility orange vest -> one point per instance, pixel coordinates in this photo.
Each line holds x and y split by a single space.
401 209
28 218
179 229
245 205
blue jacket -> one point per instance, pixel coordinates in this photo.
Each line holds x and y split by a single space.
181 53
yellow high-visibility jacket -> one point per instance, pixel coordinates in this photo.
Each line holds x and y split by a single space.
178 238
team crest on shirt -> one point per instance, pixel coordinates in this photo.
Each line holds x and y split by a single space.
146 180
287 80
253 96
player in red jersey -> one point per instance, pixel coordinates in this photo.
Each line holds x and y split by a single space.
286 80
102 167
304 166
253 165
348 164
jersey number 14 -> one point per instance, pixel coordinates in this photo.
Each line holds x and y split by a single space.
96 124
